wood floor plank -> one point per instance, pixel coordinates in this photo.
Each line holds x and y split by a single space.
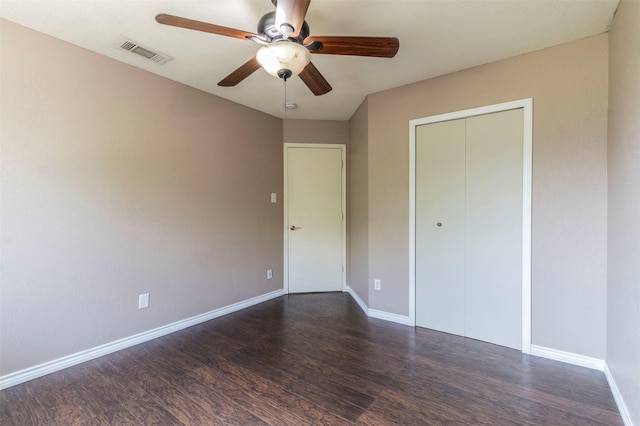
263 398
302 359
124 386
178 403
60 396
309 386
276 396
313 359
474 398
398 409
299 367
207 343
175 368
153 386
18 406
484 392
360 357
280 374
248 400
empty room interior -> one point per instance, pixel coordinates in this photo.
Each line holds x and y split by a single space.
428 212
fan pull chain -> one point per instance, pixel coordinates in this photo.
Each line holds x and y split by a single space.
285 98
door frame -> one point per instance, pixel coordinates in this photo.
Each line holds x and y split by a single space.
343 152
527 106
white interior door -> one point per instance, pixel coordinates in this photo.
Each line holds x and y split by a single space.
468 226
314 218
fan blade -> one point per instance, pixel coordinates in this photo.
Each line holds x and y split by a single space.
291 12
314 80
244 71
379 47
190 24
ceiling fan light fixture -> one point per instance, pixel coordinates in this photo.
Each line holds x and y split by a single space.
283 58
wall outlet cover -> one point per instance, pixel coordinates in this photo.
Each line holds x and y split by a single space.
143 301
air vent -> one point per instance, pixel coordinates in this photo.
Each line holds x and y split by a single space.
155 56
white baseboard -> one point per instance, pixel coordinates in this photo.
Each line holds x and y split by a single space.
387 316
568 357
617 396
359 301
374 313
89 354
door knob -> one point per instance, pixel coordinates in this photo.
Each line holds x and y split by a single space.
293 227
439 224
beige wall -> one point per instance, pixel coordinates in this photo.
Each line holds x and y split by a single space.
117 182
568 84
315 131
623 296
358 225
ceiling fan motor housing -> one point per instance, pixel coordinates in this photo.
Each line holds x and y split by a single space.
267 27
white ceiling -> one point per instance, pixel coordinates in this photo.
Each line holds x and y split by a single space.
436 37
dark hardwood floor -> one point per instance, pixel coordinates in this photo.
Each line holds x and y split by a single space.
313 359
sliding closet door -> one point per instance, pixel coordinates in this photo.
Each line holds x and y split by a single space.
440 235
494 228
468 222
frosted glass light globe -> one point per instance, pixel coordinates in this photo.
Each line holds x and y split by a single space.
283 55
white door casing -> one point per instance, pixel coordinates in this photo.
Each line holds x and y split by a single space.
479 213
314 218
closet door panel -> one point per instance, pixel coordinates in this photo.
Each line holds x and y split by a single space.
493 261
440 226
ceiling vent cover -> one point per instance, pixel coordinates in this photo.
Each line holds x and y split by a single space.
133 47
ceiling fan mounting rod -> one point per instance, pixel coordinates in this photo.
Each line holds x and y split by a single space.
286 30
267 27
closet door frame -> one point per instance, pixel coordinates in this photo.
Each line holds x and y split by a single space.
527 107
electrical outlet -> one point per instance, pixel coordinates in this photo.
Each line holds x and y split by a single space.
143 301
269 274
376 284
274 197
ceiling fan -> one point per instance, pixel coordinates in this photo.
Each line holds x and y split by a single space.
287 44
